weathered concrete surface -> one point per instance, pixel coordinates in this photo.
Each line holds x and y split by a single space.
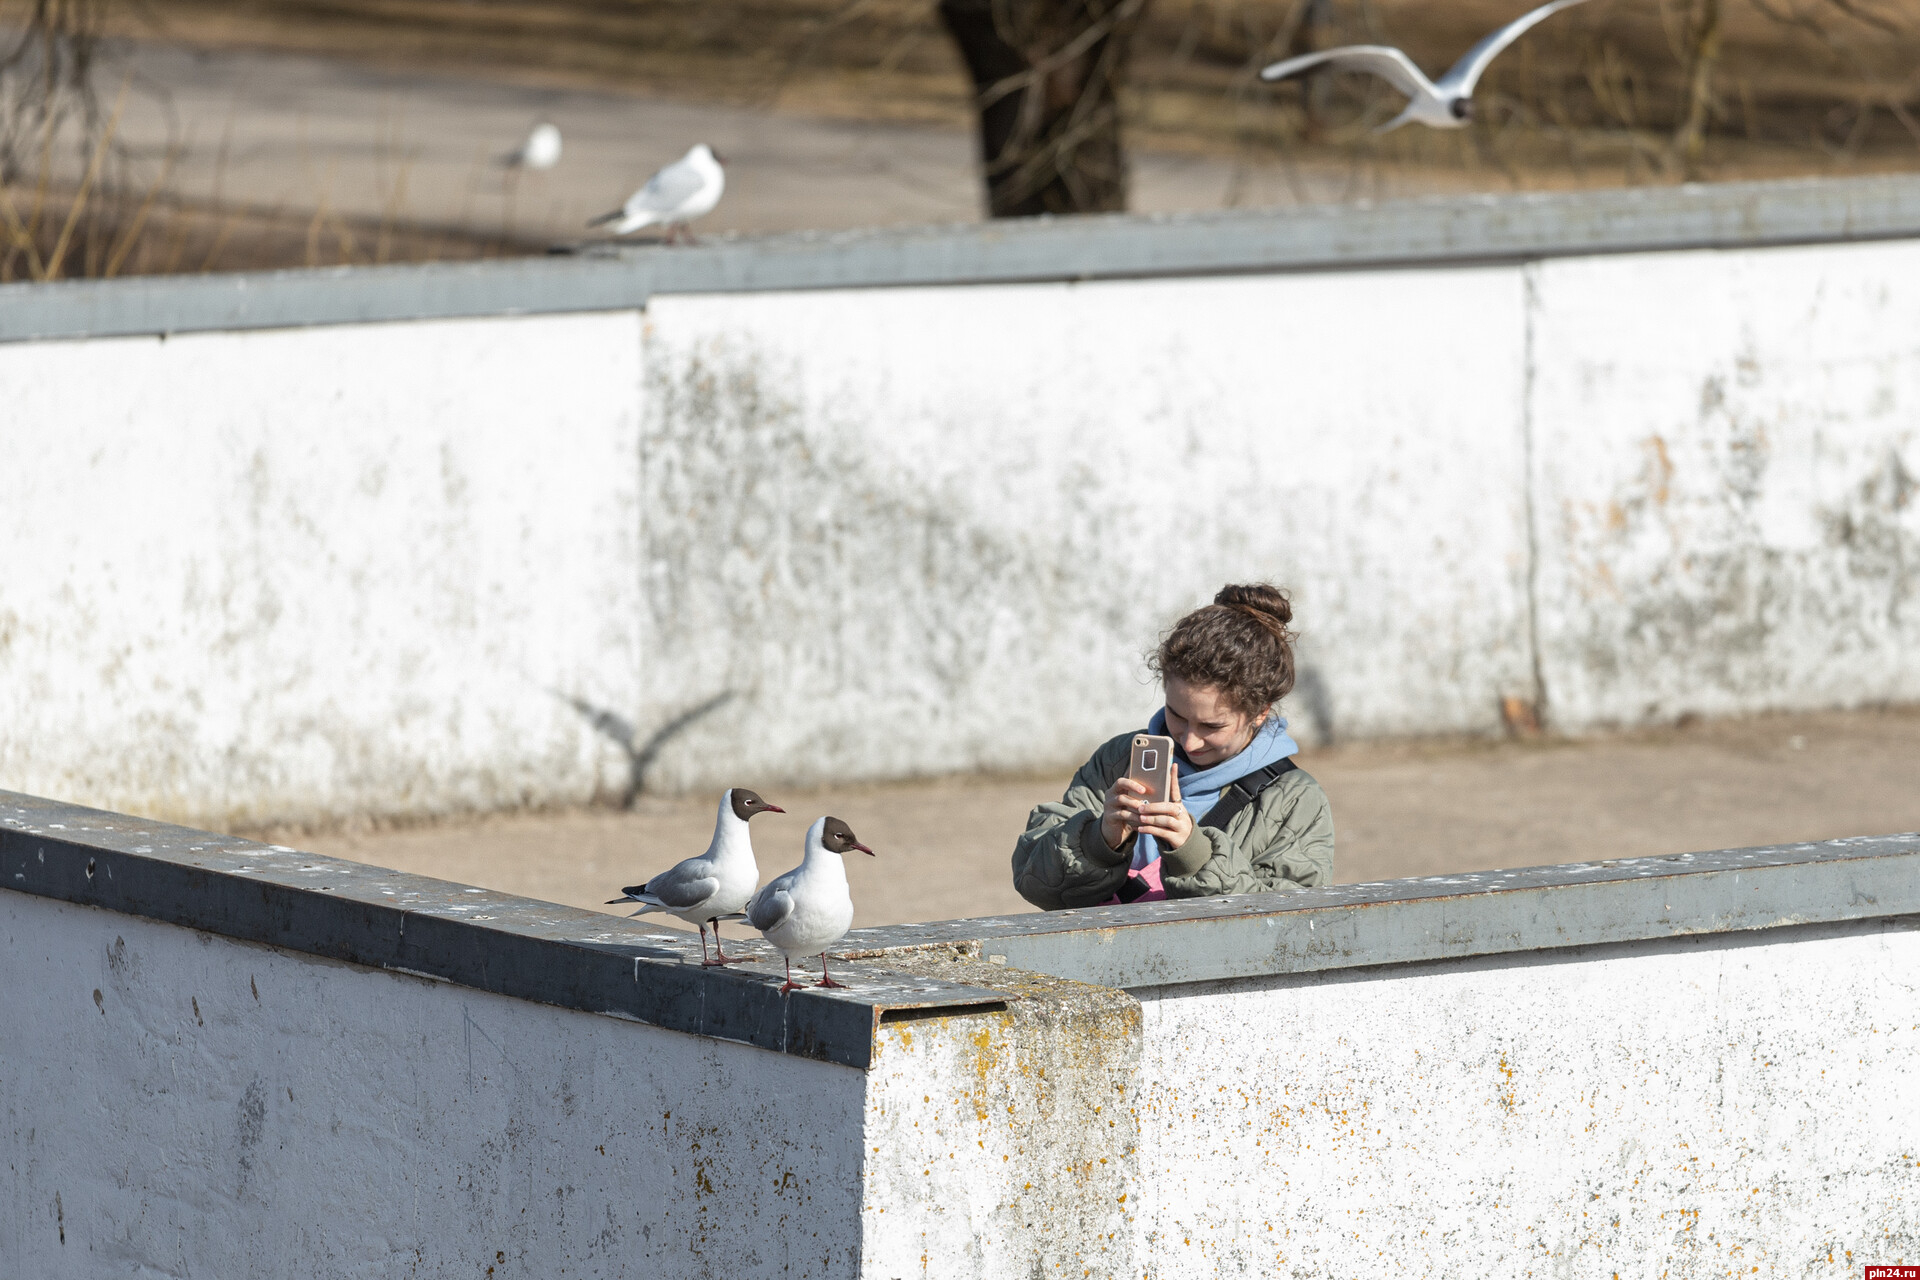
175 1103
1698 1108
1738 1098
1725 481
1005 1144
888 521
423 568
299 574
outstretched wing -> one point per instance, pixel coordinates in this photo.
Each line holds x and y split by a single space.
667 190
685 886
769 907
1459 81
1391 65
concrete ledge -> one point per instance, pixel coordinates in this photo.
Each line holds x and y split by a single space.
590 961
1390 922
1437 231
429 928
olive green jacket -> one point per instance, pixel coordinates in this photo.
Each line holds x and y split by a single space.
1283 840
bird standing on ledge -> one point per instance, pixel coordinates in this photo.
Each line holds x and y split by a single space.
808 909
716 883
688 188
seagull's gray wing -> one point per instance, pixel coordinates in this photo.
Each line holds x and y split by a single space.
770 906
1391 65
1460 79
666 190
687 885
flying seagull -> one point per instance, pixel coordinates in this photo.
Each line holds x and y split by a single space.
1447 104
808 909
541 150
717 883
684 190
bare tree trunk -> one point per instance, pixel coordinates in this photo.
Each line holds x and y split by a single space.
1046 75
1703 52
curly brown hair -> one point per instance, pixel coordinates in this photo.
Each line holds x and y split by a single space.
1239 644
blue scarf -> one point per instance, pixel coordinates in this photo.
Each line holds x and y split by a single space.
1200 788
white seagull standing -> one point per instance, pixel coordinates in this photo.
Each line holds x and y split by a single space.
541 150
717 883
688 188
808 909
1447 104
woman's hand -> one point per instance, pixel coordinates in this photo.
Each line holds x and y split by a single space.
1170 822
1119 821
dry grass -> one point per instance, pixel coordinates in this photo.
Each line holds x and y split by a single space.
159 234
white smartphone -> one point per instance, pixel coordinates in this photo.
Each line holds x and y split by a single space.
1152 764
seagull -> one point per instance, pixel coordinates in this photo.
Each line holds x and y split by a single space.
717 883
541 150
684 190
809 909
1445 105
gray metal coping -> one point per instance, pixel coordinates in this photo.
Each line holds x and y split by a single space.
428 928
1428 231
1390 922
600 964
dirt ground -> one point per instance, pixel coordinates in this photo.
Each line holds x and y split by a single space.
1402 809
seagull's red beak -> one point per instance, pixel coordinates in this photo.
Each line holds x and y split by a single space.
774 808
862 848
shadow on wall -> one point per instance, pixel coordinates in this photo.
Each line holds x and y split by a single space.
641 755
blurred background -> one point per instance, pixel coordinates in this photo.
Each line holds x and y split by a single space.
154 136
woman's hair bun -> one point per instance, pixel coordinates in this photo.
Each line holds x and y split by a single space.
1239 644
1259 598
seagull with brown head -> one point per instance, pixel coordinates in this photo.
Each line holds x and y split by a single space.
714 884
810 908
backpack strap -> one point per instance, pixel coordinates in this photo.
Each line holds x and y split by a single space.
1241 792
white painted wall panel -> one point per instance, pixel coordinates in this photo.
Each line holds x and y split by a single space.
938 528
1715 1107
307 574
174 1103
293 574
1728 462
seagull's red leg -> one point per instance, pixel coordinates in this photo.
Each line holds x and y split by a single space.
720 954
826 979
703 942
790 984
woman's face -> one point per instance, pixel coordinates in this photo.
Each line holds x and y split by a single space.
1205 725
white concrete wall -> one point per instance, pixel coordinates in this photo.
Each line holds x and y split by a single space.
1718 1106
939 528
1727 469
300 573
363 569
174 1103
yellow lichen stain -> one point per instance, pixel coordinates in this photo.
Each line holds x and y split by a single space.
984 1055
1508 1099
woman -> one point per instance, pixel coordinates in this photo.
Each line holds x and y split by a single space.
1243 818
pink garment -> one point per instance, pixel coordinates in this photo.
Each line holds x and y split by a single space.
1149 873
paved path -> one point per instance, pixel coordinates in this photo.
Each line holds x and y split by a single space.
294 132
1401 810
